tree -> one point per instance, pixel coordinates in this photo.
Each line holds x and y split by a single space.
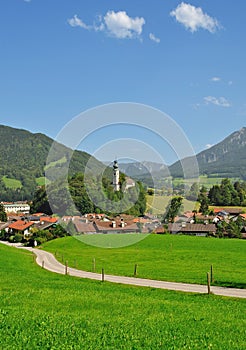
204 201
173 209
3 215
193 192
233 230
228 194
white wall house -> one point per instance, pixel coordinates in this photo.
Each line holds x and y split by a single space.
16 208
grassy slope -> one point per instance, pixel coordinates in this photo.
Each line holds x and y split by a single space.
41 310
11 183
164 257
158 204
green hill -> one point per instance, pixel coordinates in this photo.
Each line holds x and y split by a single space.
23 158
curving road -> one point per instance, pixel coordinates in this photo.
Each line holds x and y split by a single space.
49 262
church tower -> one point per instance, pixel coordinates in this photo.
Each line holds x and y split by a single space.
116 176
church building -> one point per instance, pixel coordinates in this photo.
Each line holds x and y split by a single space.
116 176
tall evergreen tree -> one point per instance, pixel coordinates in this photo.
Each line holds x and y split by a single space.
3 215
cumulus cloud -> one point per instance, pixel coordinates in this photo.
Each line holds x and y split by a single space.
193 18
121 26
220 101
115 24
154 38
215 79
75 21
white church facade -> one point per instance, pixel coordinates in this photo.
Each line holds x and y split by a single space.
116 179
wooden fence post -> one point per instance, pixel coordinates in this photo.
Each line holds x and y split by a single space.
66 267
42 264
102 275
94 265
208 282
211 274
135 270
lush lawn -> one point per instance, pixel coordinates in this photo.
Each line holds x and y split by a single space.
165 257
11 183
42 310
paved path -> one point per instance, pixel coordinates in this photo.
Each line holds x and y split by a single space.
49 262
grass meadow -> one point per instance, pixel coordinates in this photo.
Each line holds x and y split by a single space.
158 204
46 311
165 257
11 183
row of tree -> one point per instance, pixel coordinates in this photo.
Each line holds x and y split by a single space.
225 194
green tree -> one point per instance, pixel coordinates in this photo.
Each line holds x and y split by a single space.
193 192
3 215
233 230
204 201
173 209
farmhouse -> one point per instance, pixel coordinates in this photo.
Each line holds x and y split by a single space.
20 226
192 229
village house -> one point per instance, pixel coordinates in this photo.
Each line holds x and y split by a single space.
16 208
192 229
20 226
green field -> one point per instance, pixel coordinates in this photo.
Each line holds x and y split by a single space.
204 180
158 204
11 183
42 310
164 257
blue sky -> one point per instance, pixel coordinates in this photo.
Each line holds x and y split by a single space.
62 57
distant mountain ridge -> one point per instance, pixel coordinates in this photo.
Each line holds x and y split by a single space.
225 159
23 157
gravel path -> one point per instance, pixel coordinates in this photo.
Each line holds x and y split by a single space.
49 262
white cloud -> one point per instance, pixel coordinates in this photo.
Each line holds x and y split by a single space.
75 21
193 18
220 101
208 146
215 79
154 38
121 26
116 24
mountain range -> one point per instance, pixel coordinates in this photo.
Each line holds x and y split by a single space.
225 159
23 157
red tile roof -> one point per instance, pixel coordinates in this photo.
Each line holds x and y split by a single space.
20 225
48 219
